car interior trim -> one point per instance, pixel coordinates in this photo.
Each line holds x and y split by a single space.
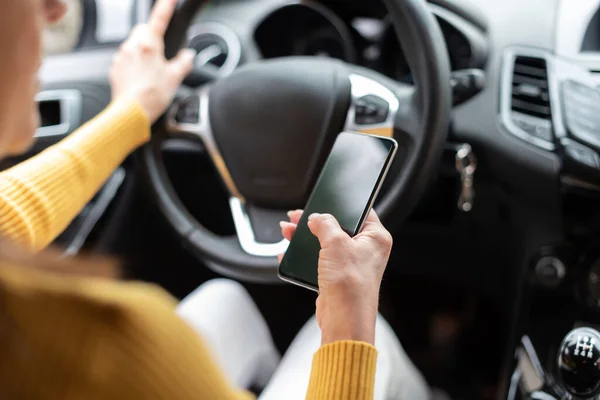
203 130
573 19
473 35
465 11
98 208
234 46
245 233
332 18
508 63
572 181
362 87
70 102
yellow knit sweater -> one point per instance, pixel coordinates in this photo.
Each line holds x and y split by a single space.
85 338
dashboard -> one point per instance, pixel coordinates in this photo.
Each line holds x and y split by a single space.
311 29
358 37
487 35
363 37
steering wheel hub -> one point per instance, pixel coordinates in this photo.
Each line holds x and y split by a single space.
274 123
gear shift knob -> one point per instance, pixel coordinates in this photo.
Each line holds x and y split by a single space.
579 363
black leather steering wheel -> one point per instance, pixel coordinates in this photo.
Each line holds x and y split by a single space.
269 126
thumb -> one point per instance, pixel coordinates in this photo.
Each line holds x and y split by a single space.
181 65
326 228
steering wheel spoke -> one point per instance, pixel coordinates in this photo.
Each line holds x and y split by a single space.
187 115
373 107
188 118
406 123
380 106
258 229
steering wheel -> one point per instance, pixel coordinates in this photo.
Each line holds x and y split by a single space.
269 126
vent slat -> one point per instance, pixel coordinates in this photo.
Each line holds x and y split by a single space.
531 71
543 83
531 108
530 87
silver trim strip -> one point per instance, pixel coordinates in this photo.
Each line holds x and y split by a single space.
242 222
573 181
204 131
363 86
514 385
533 358
234 46
245 233
70 111
542 396
106 196
508 64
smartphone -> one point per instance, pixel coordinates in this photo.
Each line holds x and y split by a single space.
347 188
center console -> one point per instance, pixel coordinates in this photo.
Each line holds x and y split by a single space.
558 356
574 374
551 99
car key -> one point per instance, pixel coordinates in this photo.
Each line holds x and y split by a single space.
466 165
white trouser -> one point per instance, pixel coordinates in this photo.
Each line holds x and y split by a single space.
232 326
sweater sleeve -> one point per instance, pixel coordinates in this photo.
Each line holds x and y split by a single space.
41 196
64 337
343 370
90 339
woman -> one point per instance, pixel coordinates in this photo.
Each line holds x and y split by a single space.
65 335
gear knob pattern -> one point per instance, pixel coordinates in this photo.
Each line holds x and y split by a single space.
579 363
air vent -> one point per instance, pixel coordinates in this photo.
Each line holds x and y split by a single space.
530 87
525 103
217 46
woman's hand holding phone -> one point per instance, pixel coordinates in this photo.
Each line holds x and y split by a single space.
350 273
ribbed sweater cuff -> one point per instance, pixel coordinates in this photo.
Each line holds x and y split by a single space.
343 370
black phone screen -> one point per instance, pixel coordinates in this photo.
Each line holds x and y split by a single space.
345 189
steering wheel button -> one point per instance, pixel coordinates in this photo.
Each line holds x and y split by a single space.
189 110
371 110
536 127
581 91
543 132
581 154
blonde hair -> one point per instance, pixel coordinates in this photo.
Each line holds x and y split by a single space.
54 261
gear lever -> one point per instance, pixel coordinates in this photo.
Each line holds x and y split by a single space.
579 363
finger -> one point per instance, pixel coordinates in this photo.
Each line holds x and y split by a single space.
372 222
161 16
326 228
295 216
287 229
374 229
280 257
141 38
181 66
373 217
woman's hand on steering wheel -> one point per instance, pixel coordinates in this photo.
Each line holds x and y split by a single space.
350 274
140 70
